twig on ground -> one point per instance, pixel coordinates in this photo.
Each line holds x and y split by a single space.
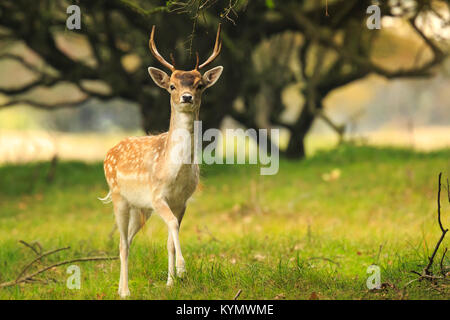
210 234
426 270
448 191
23 277
325 259
31 246
441 264
237 294
378 254
413 280
52 170
39 258
426 273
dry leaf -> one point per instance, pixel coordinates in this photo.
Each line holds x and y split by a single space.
280 296
331 176
22 205
247 219
313 296
100 296
259 257
236 208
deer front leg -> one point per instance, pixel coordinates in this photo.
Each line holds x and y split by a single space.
173 225
171 254
181 269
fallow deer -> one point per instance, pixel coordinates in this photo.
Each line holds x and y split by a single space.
140 171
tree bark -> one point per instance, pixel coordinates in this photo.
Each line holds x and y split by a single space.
155 122
296 145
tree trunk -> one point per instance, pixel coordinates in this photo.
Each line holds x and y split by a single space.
155 114
296 146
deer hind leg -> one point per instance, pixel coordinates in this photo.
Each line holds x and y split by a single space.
138 217
122 214
173 241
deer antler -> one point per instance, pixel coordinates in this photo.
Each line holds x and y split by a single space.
155 52
196 64
215 53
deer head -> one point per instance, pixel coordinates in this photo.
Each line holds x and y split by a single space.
185 87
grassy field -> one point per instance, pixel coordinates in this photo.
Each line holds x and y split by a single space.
311 230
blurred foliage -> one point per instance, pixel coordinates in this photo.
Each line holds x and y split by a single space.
267 46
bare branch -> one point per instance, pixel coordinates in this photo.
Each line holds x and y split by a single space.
237 294
134 8
441 263
94 94
426 271
31 276
439 205
43 105
325 259
436 50
39 258
448 190
40 82
20 59
26 244
313 32
43 79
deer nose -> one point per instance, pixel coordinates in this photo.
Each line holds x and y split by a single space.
187 98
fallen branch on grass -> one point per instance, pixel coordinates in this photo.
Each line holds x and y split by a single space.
426 270
39 258
442 263
30 277
32 246
325 259
52 170
426 273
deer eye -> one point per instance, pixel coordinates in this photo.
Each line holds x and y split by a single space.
172 87
200 86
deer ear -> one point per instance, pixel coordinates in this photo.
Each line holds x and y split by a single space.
211 76
160 77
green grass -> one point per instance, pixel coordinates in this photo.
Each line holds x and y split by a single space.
283 236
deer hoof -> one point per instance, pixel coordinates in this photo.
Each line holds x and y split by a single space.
181 271
124 293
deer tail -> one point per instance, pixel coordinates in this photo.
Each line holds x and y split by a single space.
106 199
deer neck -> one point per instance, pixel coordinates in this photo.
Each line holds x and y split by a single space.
181 133
182 120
